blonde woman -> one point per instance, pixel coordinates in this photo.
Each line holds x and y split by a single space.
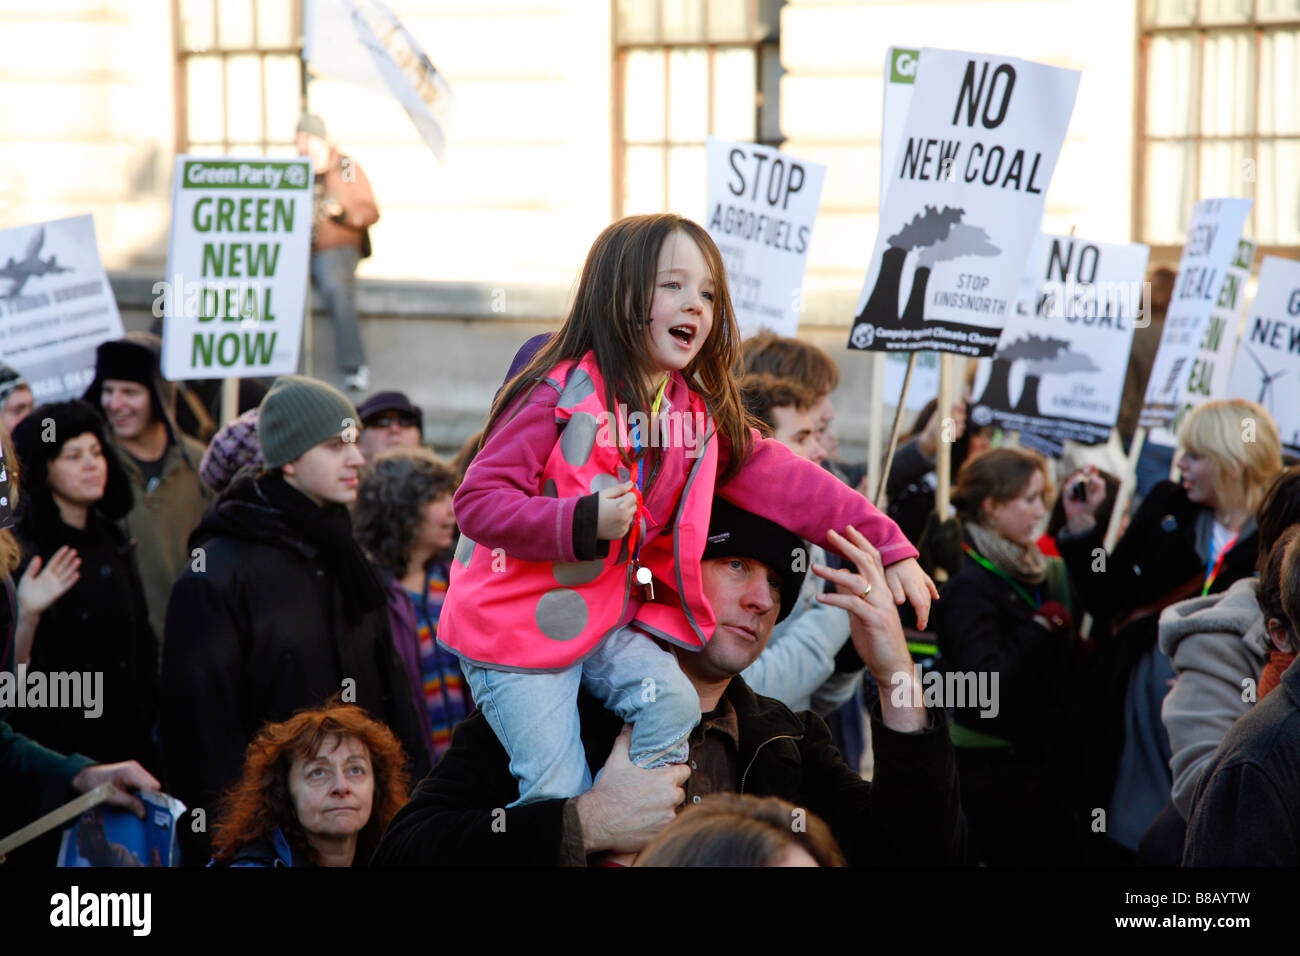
1193 537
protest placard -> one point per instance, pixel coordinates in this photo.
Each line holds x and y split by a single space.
1267 366
113 837
762 204
56 304
1212 237
925 379
900 80
964 202
1211 363
236 267
1060 365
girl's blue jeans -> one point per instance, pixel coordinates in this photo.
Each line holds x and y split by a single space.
535 715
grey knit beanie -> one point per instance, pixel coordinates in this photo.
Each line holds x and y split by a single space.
299 413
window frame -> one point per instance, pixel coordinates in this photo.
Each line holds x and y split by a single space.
758 41
1255 28
255 48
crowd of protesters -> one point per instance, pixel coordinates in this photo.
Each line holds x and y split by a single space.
339 649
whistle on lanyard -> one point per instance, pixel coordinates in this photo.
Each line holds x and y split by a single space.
645 579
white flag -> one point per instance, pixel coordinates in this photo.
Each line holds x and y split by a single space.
362 42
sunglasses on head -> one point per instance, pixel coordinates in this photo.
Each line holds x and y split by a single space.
384 421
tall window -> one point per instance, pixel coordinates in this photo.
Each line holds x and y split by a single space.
1220 116
239 77
686 69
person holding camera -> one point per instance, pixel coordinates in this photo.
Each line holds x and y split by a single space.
1193 537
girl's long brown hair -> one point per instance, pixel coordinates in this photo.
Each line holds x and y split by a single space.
611 316
261 800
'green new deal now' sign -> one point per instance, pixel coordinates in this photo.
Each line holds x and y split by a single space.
232 304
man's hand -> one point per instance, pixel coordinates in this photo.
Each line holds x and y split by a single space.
42 586
124 777
874 627
907 582
628 805
615 510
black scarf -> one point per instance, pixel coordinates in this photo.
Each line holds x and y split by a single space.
328 528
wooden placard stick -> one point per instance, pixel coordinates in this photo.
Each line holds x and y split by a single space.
877 418
1127 484
893 435
55 818
943 454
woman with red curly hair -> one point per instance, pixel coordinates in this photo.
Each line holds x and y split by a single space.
318 789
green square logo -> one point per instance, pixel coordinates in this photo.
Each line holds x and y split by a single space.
902 66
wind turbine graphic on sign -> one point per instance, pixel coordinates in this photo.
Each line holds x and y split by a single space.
1266 380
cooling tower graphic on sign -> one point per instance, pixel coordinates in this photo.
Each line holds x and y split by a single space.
1042 357
935 235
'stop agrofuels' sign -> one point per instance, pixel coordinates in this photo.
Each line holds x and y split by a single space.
232 304
963 200
762 204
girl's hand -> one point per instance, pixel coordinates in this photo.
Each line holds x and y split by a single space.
909 583
1081 516
39 588
874 627
617 508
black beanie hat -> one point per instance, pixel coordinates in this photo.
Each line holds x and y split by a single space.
133 358
127 361
737 533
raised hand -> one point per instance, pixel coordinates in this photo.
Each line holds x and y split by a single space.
874 627
42 586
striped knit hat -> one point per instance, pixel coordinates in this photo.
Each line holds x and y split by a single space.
299 413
